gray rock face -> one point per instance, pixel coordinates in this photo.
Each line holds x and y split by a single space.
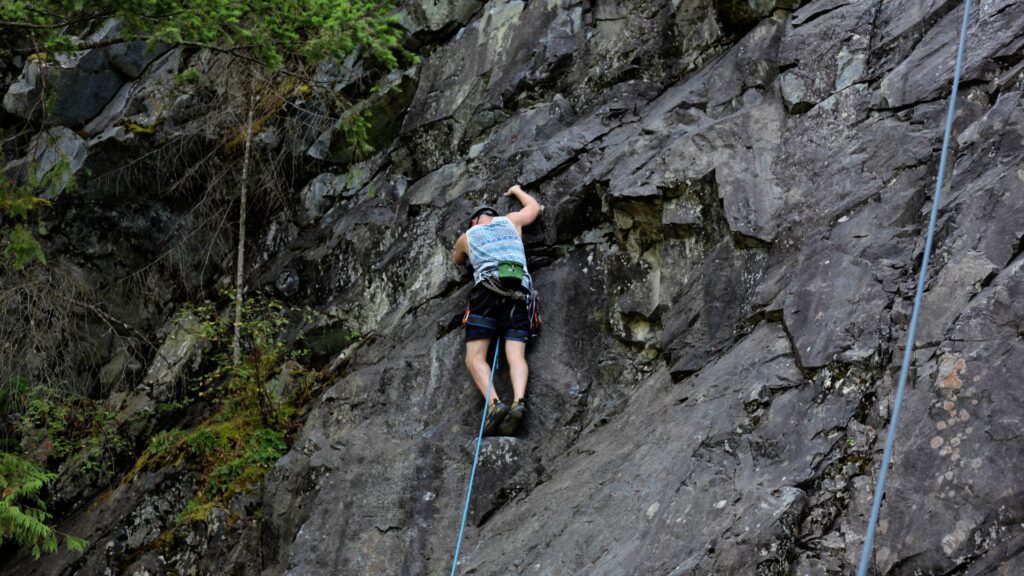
120 526
833 307
135 414
180 353
317 195
841 31
54 156
426 19
144 101
991 37
504 471
666 496
958 436
78 87
736 195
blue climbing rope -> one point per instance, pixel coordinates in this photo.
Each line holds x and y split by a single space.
908 350
476 456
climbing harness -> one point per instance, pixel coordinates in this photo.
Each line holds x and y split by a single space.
476 456
908 350
496 286
532 304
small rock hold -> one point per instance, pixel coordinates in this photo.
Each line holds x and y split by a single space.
652 510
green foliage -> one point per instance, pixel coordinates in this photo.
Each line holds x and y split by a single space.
261 449
232 451
189 76
12 399
244 387
23 513
65 425
271 31
22 248
228 454
17 204
20 201
355 128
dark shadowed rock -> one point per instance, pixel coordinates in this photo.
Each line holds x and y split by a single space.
739 16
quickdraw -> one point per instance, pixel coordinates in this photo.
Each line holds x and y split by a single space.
533 309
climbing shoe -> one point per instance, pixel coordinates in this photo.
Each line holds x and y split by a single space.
496 413
511 422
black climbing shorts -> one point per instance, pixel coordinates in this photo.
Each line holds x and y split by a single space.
491 315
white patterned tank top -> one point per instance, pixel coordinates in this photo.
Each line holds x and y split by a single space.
496 241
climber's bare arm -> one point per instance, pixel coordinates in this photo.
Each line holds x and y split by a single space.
461 252
528 213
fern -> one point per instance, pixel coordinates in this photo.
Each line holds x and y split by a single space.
23 513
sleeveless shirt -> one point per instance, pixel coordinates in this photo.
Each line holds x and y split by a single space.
496 241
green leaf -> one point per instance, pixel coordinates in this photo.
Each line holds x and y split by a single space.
23 513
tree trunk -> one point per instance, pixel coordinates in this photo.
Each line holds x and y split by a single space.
236 343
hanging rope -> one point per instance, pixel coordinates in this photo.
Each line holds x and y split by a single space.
476 456
908 350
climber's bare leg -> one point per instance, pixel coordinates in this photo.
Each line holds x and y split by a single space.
515 353
479 369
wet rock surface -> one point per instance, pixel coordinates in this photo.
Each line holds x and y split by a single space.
736 195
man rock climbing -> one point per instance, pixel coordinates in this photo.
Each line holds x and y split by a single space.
498 305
